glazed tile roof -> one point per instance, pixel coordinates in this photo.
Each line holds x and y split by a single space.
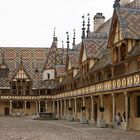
134 52
104 28
4 83
32 59
94 47
74 57
129 19
54 55
104 61
60 70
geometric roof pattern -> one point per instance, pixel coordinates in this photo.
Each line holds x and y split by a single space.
73 58
53 57
94 47
104 61
32 59
129 19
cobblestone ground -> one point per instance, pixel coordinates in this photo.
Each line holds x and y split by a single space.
12 128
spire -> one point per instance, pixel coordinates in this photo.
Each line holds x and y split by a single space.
73 44
54 37
116 4
68 41
83 29
62 55
88 25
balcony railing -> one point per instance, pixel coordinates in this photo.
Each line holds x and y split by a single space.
126 81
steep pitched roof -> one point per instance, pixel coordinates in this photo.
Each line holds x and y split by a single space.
60 70
104 61
53 56
21 73
129 20
32 58
105 27
93 48
135 51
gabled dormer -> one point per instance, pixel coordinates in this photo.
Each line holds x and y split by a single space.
21 83
124 31
21 74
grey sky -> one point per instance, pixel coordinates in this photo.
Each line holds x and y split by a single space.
30 23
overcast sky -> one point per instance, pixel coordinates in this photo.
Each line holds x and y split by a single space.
30 23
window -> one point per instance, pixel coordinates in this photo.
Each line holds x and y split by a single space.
123 52
48 75
115 55
4 73
138 106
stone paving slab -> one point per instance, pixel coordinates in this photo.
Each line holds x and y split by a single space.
16 128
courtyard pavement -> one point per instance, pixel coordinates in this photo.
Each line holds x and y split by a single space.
16 128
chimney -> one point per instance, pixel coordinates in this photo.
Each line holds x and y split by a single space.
124 2
99 19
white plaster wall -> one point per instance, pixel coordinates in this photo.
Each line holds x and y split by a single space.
46 72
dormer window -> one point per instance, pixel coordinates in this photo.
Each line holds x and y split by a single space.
48 75
4 71
115 55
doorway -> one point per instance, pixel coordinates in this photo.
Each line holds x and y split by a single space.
6 111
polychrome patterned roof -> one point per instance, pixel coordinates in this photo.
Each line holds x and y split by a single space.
32 59
129 19
94 47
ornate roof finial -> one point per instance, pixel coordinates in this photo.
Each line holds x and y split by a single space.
68 41
73 44
62 44
62 51
88 25
54 33
54 37
116 4
83 29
